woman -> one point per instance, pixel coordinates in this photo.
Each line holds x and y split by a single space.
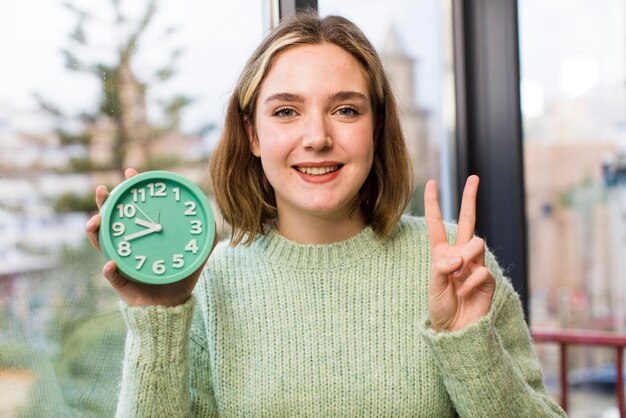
327 302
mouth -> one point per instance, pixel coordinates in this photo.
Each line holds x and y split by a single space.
319 170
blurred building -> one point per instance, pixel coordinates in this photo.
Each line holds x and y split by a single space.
575 175
401 69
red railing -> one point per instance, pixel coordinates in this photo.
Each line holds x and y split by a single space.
580 337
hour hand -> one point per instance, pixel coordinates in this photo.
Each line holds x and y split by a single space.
147 224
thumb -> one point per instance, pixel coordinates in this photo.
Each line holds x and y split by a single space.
113 276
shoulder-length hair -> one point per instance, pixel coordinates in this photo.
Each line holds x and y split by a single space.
244 195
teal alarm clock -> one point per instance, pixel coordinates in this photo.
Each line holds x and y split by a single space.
157 226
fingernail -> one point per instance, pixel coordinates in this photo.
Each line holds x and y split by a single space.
454 260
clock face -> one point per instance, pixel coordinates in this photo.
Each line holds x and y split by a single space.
157 226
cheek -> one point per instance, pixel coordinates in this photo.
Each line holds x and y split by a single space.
362 144
273 140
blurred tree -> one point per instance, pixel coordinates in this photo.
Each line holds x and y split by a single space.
117 133
123 94
81 377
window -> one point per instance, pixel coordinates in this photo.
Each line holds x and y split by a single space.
88 88
573 86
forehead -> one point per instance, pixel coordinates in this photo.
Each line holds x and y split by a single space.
319 68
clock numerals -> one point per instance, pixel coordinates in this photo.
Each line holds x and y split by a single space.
118 229
158 267
138 194
157 189
196 227
141 259
127 211
178 262
176 191
123 248
192 246
191 208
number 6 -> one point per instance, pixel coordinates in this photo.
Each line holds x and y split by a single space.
158 267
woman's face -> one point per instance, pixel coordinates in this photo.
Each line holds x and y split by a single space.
313 130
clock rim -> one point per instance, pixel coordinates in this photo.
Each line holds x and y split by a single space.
105 237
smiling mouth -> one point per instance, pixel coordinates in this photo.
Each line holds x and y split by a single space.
318 171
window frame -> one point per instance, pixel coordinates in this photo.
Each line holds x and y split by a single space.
489 128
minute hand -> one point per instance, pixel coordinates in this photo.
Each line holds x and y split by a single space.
141 233
143 213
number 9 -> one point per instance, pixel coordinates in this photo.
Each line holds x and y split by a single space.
118 229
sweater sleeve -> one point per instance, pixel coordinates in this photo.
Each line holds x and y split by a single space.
157 379
490 368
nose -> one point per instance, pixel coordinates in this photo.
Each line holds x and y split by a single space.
316 134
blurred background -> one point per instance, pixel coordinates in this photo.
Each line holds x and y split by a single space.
91 87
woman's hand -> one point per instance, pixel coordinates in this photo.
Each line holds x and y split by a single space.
135 293
461 287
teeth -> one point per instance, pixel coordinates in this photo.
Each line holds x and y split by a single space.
317 171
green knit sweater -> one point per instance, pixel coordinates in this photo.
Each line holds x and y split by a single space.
284 329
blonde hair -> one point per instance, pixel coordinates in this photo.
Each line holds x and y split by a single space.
243 193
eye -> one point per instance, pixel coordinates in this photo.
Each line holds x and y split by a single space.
347 111
284 112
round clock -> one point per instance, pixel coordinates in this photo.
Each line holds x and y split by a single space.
157 226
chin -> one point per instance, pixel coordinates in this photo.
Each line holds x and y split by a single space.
331 210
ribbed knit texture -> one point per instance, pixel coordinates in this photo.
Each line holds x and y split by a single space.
280 329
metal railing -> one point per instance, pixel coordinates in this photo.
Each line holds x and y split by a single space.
589 338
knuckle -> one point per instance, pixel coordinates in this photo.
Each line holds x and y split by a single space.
484 272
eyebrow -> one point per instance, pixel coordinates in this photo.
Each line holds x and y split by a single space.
349 95
297 98
285 97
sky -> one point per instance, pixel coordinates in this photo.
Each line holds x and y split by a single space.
217 38
32 33
567 47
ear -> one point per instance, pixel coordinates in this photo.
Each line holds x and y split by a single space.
253 139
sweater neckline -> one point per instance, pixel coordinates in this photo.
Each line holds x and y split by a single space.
283 251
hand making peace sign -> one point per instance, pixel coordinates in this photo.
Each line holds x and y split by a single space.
461 287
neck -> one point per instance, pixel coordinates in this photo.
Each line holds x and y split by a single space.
314 229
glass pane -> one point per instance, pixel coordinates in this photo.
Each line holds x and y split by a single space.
573 87
88 87
415 44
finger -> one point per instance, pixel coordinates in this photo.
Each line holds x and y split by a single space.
446 266
113 276
434 220
481 276
130 172
467 215
101 195
472 253
92 231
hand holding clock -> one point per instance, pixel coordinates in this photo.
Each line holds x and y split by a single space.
136 292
